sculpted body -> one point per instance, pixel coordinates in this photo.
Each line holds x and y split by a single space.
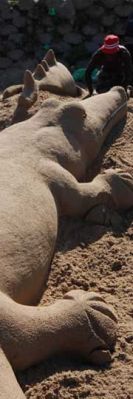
42 161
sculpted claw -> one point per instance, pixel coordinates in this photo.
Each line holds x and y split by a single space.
100 357
92 299
93 326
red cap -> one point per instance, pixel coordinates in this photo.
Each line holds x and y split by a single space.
111 44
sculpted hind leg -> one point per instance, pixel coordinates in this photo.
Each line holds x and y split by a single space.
80 323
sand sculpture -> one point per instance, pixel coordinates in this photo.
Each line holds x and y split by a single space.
42 161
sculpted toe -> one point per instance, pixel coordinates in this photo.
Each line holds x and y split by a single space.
81 295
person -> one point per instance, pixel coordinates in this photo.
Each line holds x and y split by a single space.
112 65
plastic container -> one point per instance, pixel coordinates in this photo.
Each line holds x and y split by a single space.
79 74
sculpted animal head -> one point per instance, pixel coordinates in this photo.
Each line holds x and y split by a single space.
89 120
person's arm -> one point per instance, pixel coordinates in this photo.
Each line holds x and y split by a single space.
127 67
95 62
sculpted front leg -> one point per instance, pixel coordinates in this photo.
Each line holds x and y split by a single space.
114 189
119 186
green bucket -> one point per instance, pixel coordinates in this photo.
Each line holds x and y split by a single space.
79 74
